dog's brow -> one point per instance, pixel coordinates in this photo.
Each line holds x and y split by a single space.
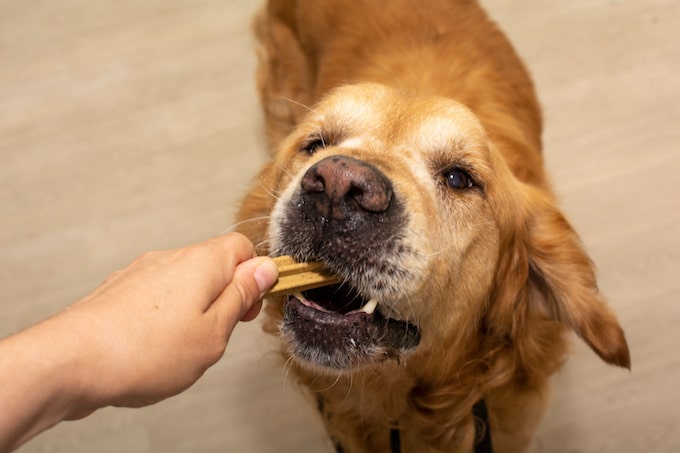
354 142
353 110
439 132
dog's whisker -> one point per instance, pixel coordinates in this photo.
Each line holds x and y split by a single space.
284 169
271 192
440 251
329 387
299 104
411 309
323 140
287 367
260 245
236 225
350 384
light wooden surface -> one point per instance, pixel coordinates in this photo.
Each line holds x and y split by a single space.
127 126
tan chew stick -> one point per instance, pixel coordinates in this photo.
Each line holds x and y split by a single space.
294 276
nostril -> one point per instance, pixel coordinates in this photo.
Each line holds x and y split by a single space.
312 181
373 199
355 192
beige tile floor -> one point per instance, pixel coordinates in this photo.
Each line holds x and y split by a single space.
127 126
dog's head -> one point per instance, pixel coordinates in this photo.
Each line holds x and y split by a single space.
408 201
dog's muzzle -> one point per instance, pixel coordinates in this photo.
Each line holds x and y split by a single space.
345 213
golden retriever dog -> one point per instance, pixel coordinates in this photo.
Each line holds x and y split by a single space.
406 156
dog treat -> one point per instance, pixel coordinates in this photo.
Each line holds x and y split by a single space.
294 276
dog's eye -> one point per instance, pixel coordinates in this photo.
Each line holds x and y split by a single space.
458 179
313 145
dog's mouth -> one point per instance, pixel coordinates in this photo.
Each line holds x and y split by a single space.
338 328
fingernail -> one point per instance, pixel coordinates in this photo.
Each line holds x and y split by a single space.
265 275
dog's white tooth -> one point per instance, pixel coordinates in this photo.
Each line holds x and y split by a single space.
298 295
370 306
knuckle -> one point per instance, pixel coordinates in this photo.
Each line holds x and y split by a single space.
242 289
245 290
201 253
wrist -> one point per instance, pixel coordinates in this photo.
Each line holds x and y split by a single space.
73 359
35 383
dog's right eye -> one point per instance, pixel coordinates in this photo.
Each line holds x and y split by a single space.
458 179
312 146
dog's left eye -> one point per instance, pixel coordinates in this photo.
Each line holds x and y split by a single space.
458 179
312 146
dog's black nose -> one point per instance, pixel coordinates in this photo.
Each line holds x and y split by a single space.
341 185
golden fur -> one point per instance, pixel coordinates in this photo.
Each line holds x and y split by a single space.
496 275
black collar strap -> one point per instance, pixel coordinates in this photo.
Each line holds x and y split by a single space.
482 428
482 431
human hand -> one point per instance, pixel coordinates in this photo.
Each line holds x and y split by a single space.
147 333
152 329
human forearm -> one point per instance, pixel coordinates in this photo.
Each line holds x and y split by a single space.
35 368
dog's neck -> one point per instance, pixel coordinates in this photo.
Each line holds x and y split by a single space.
397 396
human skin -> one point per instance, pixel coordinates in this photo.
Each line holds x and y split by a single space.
147 333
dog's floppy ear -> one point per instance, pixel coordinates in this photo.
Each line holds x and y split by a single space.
562 277
283 70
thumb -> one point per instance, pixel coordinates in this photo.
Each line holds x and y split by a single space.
251 280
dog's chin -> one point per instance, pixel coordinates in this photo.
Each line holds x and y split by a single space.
334 329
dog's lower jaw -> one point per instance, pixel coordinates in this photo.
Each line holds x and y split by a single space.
344 343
